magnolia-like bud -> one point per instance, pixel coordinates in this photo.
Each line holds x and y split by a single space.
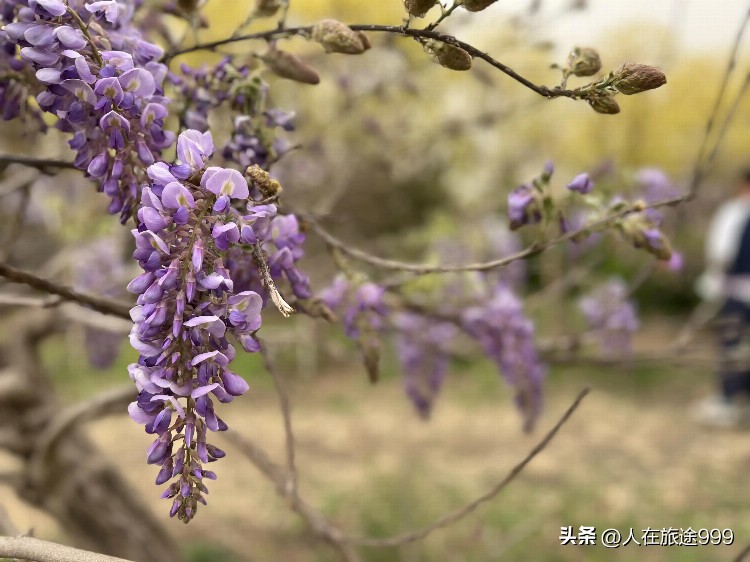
418 8
337 37
637 78
290 66
447 55
477 5
584 62
266 8
602 103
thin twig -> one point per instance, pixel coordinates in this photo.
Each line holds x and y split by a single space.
317 522
701 164
423 269
399 30
284 404
46 165
105 306
29 548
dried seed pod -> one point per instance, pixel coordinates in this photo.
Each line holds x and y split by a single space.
336 37
477 5
584 62
447 55
267 8
603 103
637 78
291 67
418 8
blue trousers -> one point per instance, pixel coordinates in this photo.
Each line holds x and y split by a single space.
733 325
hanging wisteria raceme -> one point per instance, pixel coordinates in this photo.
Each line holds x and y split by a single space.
423 347
612 316
253 140
507 337
101 80
188 305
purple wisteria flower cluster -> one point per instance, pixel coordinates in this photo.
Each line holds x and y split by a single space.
612 316
101 80
252 142
424 354
188 306
506 335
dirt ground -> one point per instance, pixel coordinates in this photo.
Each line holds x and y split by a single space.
631 457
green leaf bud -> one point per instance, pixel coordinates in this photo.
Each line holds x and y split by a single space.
447 55
337 37
636 78
418 8
289 66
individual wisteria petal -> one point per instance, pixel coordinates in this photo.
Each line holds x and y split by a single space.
194 148
138 81
53 7
222 181
109 7
523 207
176 195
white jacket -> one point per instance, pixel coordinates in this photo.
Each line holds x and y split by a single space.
722 244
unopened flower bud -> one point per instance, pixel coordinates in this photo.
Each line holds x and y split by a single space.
418 8
524 206
477 5
636 78
447 55
266 8
263 180
602 103
581 183
336 37
584 62
290 66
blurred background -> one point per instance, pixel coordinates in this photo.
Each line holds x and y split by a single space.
414 161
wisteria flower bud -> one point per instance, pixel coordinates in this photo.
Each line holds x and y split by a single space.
477 5
602 103
524 207
291 67
581 183
418 8
447 55
584 62
337 37
266 8
637 78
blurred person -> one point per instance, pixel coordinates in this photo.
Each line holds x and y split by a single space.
726 282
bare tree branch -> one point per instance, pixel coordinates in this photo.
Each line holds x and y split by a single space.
399 30
285 406
29 548
104 404
423 269
702 164
105 306
45 165
459 514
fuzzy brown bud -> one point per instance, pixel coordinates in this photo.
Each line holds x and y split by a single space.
291 67
477 5
263 180
337 37
584 62
267 8
602 103
637 78
418 8
447 55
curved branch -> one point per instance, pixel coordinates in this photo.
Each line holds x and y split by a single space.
105 306
396 29
423 269
46 165
459 514
29 548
